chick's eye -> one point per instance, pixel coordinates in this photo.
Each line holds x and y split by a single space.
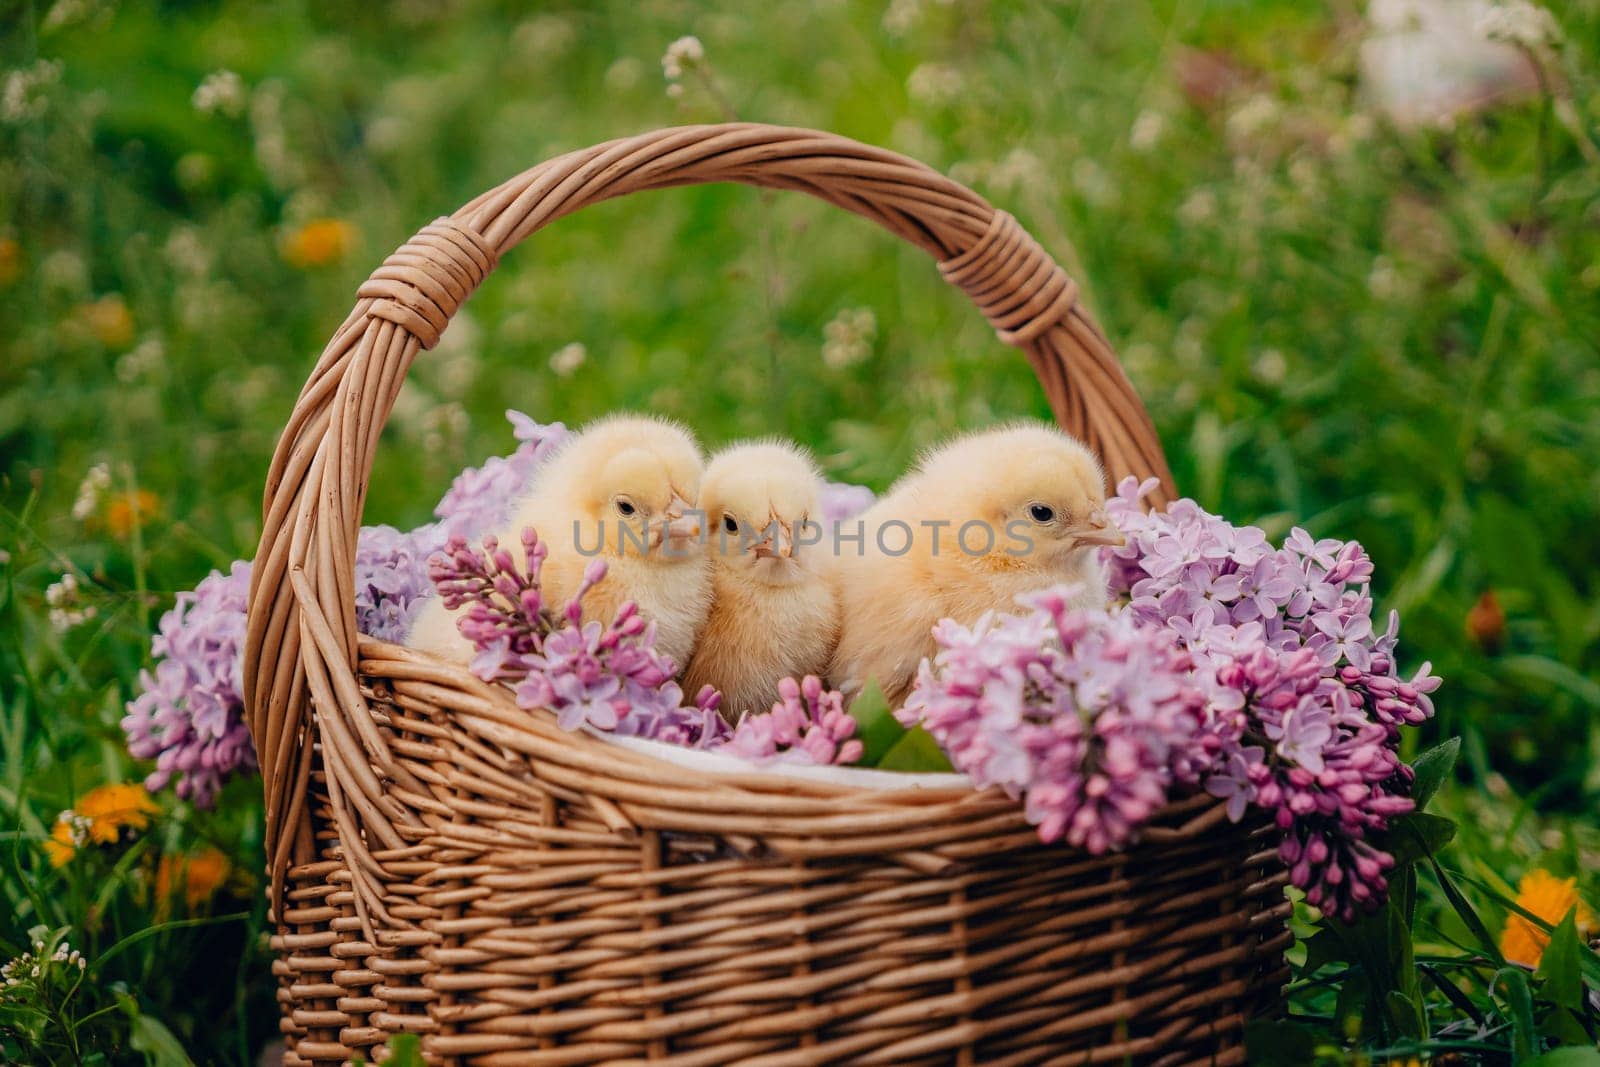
1041 512
729 525
625 507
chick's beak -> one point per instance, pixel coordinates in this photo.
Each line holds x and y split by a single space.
683 521
778 546
1098 531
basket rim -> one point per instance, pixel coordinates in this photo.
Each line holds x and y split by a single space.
637 784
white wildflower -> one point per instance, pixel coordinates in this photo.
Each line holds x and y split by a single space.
1199 207
1270 367
67 609
1147 130
285 169
454 360
5 557
902 17
90 492
681 55
568 358
445 427
23 94
1257 113
1091 180
543 37
186 250
1521 23
78 827
623 75
64 271
848 337
1383 281
141 360
935 84
222 92
1019 172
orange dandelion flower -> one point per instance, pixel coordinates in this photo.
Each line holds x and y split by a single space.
108 320
126 511
1548 897
102 814
10 261
318 243
199 876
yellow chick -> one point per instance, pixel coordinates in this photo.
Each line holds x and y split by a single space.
982 518
624 487
773 614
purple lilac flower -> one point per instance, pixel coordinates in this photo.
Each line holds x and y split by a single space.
188 716
807 725
1089 717
1318 697
839 501
609 677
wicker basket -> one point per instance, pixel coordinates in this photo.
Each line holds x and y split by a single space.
446 864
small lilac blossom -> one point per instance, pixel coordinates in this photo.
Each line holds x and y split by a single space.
838 501
188 715
1091 718
807 725
608 677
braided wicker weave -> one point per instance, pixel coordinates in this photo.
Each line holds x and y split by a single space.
447 864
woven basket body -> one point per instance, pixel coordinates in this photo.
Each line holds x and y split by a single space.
447 864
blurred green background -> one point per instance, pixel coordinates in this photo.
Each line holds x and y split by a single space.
1349 304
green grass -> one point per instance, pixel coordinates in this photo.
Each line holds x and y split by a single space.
1372 331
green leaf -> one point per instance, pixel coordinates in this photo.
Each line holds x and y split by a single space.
405 1050
1351 1009
1560 983
1558 967
876 727
1403 888
1519 999
1403 1014
1278 1043
1416 836
1467 913
1580 1056
150 1035
1543 669
1432 768
1323 948
916 751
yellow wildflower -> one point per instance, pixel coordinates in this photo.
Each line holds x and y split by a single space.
1550 898
99 819
10 261
318 243
199 875
125 511
109 320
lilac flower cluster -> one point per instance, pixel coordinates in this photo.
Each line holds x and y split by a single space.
392 567
1086 716
1306 699
1249 671
189 716
807 725
609 677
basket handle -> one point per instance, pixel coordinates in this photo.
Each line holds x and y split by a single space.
301 636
